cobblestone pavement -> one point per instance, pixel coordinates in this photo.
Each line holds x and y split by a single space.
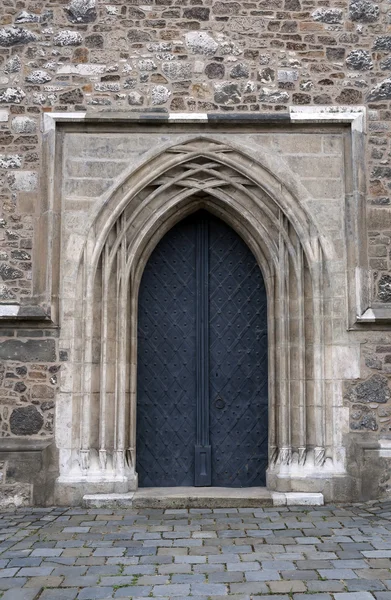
325 553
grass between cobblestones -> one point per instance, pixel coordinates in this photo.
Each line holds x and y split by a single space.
336 552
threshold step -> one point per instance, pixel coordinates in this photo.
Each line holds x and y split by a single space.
202 497
183 497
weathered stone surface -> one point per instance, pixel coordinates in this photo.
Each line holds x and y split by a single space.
38 76
8 273
383 42
47 405
198 13
385 64
359 60
363 418
68 38
240 71
42 391
200 42
350 96
6 293
15 495
27 17
26 420
160 94
286 76
382 91
13 36
138 36
72 97
135 99
23 181
363 11
328 15
177 71
33 350
215 70
273 96
23 124
20 387
11 96
81 11
384 288
226 8
227 92
374 389
10 161
94 41
248 24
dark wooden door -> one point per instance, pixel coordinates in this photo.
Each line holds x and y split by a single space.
202 360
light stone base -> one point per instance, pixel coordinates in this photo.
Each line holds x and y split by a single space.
183 497
297 499
108 500
192 497
15 495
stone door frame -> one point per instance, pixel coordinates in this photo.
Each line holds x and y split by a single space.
266 205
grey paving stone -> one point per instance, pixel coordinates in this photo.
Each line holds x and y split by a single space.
172 590
23 594
354 596
312 596
263 576
66 594
302 575
337 574
44 552
139 591
95 593
229 577
8 572
365 585
208 589
188 578
254 587
34 571
12 582
81 581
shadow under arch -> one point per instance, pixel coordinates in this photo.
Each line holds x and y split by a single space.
268 214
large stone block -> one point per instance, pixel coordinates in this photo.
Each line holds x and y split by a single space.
33 350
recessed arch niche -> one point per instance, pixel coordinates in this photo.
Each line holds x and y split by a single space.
267 209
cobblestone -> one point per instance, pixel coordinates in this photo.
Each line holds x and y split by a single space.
348 558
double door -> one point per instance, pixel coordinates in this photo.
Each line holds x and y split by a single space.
202 360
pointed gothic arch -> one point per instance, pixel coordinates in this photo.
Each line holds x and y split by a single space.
267 207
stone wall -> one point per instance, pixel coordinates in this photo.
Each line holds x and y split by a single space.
178 56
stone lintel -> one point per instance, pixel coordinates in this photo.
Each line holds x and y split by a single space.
16 312
375 315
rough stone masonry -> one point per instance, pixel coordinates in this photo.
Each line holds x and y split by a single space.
181 56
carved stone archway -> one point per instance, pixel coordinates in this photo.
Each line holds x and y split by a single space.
269 212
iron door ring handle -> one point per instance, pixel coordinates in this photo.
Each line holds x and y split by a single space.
219 403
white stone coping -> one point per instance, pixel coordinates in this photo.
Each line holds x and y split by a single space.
297 114
330 114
